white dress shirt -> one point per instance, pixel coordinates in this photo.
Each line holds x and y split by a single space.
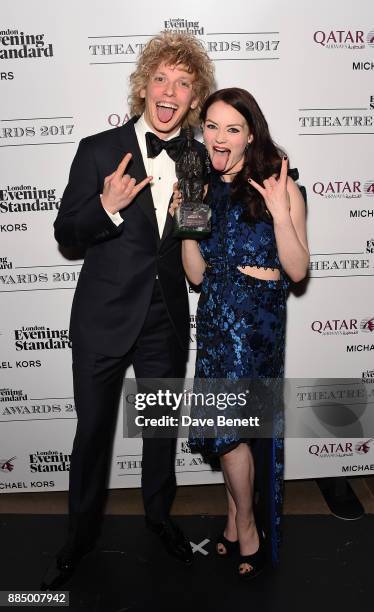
162 168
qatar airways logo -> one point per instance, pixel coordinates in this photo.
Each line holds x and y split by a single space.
343 327
368 188
117 119
344 39
340 449
7 465
370 39
362 448
348 189
367 325
336 327
332 449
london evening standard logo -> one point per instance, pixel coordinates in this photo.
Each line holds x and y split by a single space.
368 376
28 199
343 327
183 26
41 338
185 447
351 39
193 332
126 48
7 465
16 405
330 450
8 395
49 461
17 44
5 263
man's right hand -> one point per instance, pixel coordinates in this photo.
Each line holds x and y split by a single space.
119 189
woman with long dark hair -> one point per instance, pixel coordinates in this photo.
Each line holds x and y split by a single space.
258 242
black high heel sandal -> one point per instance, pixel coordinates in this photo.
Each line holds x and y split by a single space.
231 547
257 560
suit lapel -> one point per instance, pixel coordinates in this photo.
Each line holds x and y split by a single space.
168 228
136 169
169 223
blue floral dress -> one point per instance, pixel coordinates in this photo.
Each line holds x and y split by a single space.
241 335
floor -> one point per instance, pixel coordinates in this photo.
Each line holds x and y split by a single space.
326 564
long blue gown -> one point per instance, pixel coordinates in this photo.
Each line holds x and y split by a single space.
241 335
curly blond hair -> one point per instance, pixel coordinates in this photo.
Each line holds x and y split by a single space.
174 49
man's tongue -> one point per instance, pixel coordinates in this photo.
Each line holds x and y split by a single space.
220 159
164 114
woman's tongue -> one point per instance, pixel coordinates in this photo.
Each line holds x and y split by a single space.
164 113
220 159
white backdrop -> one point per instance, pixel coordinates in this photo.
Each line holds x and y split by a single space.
64 70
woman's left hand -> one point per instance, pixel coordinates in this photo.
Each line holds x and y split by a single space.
275 193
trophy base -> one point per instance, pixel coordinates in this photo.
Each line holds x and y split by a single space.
192 221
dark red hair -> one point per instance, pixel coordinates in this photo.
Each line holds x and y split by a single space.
262 157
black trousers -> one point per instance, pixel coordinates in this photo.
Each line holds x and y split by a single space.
97 386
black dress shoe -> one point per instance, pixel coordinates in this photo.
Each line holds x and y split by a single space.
64 566
173 539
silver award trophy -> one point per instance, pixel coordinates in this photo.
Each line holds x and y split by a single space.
192 217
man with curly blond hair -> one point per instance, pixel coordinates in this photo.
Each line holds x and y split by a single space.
131 303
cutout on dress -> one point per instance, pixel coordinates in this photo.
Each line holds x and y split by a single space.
260 273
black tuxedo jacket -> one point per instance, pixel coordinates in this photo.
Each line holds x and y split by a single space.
121 263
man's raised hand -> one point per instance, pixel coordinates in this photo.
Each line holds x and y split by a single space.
120 189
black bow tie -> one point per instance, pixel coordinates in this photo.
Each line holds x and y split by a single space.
173 147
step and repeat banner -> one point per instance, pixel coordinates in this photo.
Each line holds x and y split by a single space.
64 69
